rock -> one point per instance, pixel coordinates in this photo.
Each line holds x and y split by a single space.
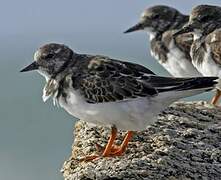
185 143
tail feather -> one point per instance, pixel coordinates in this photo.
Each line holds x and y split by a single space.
185 88
185 84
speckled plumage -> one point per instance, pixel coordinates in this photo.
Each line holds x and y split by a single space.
207 45
105 91
205 21
172 53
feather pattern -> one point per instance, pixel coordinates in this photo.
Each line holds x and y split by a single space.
100 79
105 91
206 54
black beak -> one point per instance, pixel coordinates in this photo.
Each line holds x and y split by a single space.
31 67
185 29
137 27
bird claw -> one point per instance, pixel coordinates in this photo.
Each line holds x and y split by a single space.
110 150
113 150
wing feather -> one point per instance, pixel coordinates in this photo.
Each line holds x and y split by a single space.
214 42
108 80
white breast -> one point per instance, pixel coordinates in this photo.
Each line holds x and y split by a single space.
208 66
133 114
177 64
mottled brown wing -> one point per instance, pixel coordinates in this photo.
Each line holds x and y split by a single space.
109 80
213 40
160 49
184 42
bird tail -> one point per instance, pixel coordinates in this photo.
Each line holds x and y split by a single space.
185 87
183 84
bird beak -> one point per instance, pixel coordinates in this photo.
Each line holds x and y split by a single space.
31 67
137 27
186 29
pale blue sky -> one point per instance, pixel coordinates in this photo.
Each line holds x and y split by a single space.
69 16
35 138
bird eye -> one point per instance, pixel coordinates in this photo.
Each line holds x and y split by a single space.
156 16
49 56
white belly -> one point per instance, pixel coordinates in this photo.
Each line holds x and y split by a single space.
208 67
133 114
178 65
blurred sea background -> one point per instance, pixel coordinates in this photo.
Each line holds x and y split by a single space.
36 137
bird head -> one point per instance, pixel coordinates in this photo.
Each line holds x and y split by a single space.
203 20
158 19
50 59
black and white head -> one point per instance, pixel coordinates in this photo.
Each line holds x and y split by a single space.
50 59
203 20
158 19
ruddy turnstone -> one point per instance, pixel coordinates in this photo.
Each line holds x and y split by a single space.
205 23
172 53
109 92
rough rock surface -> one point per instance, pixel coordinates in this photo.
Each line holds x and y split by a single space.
185 143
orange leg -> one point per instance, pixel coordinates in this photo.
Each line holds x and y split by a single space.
118 150
108 149
100 149
216 97
123 146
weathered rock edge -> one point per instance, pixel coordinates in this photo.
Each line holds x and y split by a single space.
185 143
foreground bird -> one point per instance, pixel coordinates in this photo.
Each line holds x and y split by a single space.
109 92
205 23
171 52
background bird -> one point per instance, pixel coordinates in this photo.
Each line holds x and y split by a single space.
205 23
108 92
172 53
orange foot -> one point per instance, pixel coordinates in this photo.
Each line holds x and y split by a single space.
111 150
101 149
216 98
